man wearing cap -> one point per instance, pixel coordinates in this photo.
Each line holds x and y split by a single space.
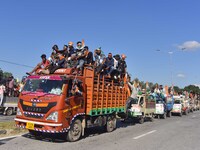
100 59
43 65
70 49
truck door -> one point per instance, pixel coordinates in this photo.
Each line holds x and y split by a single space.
75 95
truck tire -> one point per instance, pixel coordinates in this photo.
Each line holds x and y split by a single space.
141 120
169 114
111 124
152 119
75 131
164 116
9 111
186 112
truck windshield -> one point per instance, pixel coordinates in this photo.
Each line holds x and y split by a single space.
44 86
177 102
134 101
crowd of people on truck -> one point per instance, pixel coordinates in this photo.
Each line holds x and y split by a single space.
10 87
79 57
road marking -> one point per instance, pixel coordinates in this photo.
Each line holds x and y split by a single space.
10 137
137 137
193 116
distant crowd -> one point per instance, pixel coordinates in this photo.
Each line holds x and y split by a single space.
10 87
79 57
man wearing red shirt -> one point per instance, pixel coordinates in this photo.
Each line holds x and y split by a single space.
43 65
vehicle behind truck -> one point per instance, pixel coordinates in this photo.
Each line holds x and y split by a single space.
68 104
181 106
142 108
9 106
161 107
169 104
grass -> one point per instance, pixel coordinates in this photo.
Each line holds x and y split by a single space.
10 129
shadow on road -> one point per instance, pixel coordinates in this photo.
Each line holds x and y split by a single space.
60 138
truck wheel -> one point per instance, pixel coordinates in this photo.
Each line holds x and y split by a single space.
9 111
110 124
75 131
141 120
164 116
169 114
186 112
152 119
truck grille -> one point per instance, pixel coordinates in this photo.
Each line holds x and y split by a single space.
33 116
35 109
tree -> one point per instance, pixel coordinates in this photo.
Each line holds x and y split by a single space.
1 74
192 88
177 89
6 75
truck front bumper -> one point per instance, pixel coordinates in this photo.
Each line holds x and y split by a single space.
41 126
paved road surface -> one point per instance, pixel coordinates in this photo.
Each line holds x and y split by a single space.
175 133
4 118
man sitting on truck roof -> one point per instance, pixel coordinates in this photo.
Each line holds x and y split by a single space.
89 56
109 64
43 65
59 63
80 56
71 49
100 59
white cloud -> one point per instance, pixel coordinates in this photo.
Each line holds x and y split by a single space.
197 85
180 75
189 45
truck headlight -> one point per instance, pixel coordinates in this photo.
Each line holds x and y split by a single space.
19 113
53 116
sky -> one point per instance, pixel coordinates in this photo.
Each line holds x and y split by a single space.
160 37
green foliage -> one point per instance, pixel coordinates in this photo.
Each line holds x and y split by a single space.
6 75
1 74
177 89
192 88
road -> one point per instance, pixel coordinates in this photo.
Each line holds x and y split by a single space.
175 133
4 118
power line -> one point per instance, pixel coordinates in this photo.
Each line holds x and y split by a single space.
13 63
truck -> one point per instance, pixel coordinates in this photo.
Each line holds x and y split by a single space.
169 103
68 104
161 107
180 107
142 108
9 106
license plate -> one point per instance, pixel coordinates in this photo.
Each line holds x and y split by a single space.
30 125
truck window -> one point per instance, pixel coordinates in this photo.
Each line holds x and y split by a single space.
75 88
44 86
141 100
177 102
